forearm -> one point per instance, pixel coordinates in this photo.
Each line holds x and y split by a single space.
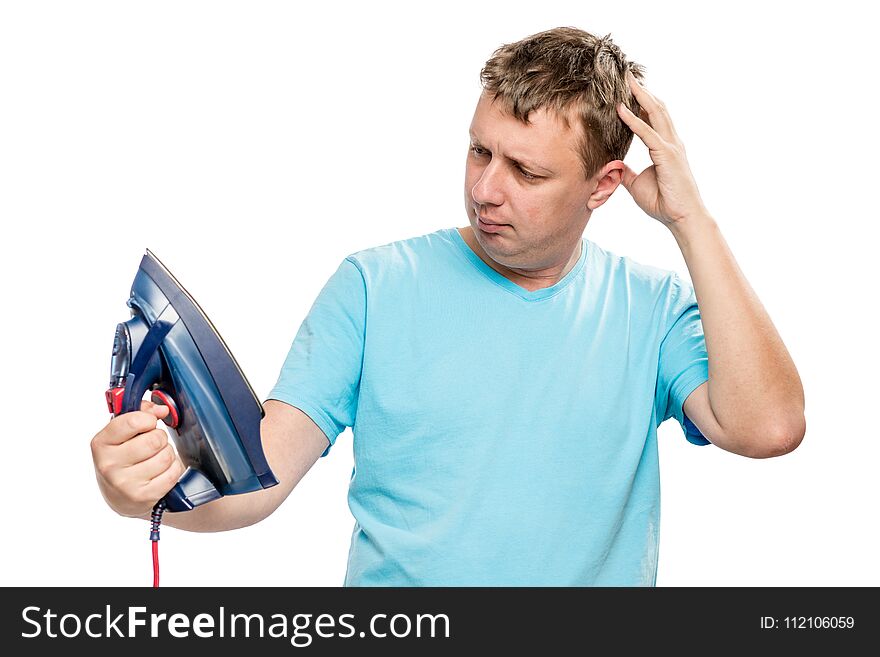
754 387
229 512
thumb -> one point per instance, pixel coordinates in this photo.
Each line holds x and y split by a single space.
159 410
629 177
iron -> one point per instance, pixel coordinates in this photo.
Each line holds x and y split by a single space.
171 348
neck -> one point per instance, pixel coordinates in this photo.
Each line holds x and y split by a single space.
529 279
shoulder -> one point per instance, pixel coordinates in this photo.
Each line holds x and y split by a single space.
403 257
623 271
649 295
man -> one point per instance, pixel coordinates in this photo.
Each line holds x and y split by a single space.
504 381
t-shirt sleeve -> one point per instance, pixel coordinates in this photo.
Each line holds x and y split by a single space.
322 371
684 363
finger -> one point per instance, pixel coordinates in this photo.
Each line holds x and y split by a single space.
159 410
164 480
140 448
658 117
153 467
123 428
629 177
644 131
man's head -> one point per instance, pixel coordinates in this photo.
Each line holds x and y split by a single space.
546 144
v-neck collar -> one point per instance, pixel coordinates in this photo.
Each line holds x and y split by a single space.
510 286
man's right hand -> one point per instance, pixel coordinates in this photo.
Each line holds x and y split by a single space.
134 461
136 465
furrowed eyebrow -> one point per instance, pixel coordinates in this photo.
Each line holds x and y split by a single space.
516 160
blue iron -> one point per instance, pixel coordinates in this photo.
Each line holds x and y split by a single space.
170 347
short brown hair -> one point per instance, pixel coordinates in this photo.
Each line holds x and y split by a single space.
567 68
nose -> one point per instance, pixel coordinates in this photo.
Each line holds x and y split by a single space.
488 189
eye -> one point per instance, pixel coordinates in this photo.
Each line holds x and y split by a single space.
525 174
479 152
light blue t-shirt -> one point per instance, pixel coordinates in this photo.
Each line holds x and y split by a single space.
502 437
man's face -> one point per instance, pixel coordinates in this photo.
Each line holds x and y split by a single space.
528 178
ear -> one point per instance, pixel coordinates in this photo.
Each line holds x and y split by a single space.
606 181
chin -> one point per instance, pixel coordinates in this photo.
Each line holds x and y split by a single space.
501 252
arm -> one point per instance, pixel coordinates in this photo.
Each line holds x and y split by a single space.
135 466
753 403
754 392
292 444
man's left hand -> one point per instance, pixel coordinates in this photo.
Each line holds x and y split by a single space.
665 190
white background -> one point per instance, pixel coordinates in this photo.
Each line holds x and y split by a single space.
252 146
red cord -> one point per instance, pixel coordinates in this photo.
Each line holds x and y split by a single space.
155 521
155 564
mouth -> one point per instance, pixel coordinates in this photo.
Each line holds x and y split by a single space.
490 228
